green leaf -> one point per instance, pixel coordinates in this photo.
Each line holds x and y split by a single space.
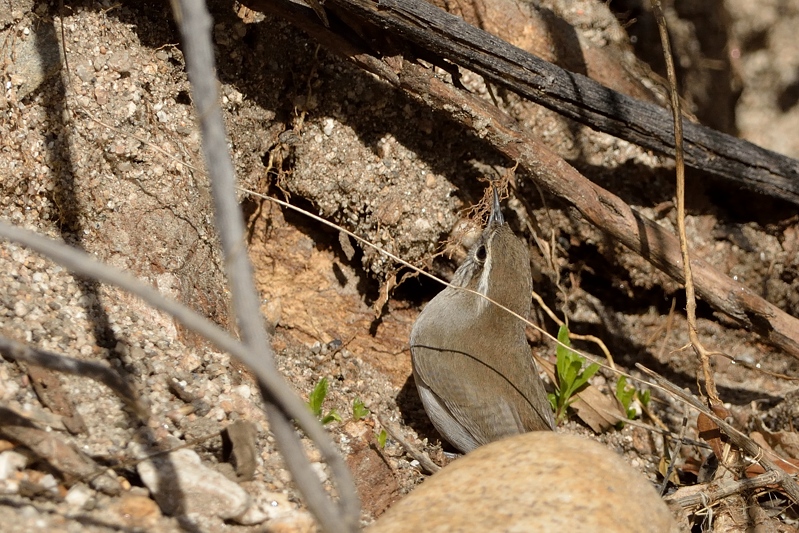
330 417
563 338
644 397
381 438
625 396
586 374
553 400
571 376
317 397
572 370
359 410
624 393
563 354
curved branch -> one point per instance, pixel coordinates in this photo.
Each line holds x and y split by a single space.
279 392
195 26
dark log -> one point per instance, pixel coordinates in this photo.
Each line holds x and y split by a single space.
553 174
433 32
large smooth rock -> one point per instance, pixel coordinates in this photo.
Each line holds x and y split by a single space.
539 481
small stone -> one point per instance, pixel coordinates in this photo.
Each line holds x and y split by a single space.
181 484
328 127
78 496
21 308
85 72
101 95
136 511
99 62
422 225
11 462
137 353
120 61
241 437
243 390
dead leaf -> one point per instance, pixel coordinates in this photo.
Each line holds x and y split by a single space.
784 442
709 432
791 466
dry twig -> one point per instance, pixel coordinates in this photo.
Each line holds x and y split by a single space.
425 462
344 515
690 293
709 493
746 444
417 26
12 350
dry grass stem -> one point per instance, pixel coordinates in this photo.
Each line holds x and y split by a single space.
690 293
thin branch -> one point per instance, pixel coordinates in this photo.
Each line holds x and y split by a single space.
690 293
48 446
84 264
739 439
12 350
424 460
195 26
429 31
708 494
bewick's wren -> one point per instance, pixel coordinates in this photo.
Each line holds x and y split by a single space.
471 361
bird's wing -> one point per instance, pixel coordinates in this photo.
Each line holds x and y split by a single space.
471 396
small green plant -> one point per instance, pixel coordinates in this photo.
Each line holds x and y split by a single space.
626 394
570 374
381 438
359 410
315 401
643 397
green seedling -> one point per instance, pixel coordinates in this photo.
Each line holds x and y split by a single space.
570 374
381 438
315 401
643 397
359 410
626 394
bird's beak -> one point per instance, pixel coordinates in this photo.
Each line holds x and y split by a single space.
496 213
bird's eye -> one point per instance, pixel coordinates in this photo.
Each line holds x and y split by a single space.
480 253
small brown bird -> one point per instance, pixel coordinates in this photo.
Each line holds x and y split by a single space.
471 361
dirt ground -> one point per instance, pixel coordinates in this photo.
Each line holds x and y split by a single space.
103 153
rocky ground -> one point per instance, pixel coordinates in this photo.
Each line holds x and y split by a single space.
103 153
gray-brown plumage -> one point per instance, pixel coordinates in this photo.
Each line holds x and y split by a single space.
471 361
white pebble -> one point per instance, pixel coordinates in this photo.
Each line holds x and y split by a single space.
20 308
10 462
243 391
328 127
78 495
